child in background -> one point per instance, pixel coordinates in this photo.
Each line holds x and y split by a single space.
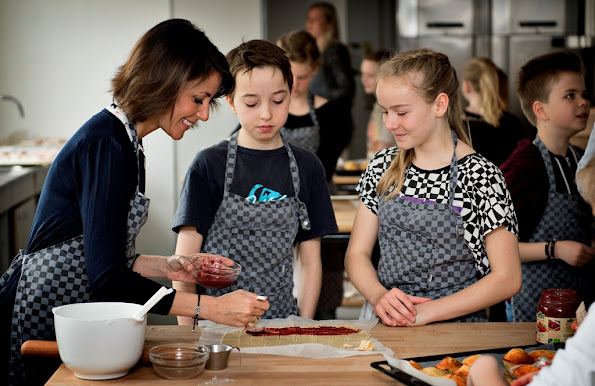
573 365
494 131
378 136
314 122
441 212
554 221
254 196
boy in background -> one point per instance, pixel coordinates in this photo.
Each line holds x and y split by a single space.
554 221
254 197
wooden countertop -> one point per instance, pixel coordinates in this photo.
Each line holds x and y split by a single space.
257 369
345 207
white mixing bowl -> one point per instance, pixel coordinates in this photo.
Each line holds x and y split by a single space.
99 340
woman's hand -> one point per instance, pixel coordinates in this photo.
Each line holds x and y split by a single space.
180 268
573 252
396 308
238 308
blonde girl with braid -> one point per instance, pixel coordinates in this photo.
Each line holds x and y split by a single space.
493 130
441 212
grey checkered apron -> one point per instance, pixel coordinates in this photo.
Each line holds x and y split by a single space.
566 217
307 137
259 236
55 276
422 249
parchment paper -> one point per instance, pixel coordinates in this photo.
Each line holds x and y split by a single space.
406 367
212 334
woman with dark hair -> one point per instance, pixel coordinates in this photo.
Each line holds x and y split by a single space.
82 243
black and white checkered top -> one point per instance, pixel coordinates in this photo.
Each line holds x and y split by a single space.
481 193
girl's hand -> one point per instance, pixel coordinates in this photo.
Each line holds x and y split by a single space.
396 308
180 268
573 252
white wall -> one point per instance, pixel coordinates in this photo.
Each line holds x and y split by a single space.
57 57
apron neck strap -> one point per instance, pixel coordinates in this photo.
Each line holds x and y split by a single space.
549 167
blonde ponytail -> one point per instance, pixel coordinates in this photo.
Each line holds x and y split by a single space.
435 76
482 74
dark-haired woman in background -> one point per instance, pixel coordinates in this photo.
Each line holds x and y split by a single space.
82 242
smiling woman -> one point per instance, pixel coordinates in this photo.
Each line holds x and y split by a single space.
92 205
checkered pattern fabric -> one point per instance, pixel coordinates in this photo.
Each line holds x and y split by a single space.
307 137
260 237
422 248
480 192
57 275
566 217
137 217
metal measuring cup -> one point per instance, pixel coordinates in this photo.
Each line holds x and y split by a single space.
219 356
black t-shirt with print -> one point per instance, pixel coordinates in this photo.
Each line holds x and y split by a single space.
202 192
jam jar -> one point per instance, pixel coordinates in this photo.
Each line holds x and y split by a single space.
555 313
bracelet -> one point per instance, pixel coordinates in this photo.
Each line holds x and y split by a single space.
549 250
552 245
197 311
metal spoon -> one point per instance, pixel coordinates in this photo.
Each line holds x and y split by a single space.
254 327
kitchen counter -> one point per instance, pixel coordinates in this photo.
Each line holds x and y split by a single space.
256 369
19 183
20 187
345 208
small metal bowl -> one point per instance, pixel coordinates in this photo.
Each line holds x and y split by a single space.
179 360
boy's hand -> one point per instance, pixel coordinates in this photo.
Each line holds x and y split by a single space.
573 252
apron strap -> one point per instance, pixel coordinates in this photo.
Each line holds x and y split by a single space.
132 134
232 151
549 167
313 115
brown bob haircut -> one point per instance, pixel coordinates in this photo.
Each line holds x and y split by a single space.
162 62
300 47
536 78
258 54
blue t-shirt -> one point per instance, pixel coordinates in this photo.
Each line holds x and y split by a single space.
263 174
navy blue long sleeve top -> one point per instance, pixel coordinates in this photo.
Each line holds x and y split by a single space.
88 191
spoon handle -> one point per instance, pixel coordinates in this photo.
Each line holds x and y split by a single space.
152 301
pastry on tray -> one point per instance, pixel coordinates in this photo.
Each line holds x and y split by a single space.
517 356
415 365
470 359
434 372
449 363
460 381
462 371
548 354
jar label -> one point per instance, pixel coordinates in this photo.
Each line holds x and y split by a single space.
553 330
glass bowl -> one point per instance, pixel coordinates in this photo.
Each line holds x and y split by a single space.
214 274
179 360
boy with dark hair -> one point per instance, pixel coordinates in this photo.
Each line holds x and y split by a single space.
254 197
554 221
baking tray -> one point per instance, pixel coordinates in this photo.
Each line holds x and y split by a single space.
431 360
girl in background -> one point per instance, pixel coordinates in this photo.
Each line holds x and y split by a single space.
314 122
442 214
378 136
494 131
